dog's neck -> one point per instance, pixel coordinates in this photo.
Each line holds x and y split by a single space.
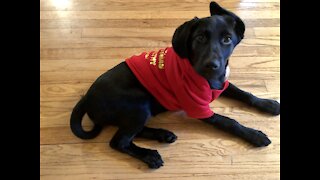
227 73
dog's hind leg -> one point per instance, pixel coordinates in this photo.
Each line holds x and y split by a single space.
122 141
162 135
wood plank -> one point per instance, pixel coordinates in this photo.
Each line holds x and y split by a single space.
90 53
271 176
106 42
184 5
256 1
211 143
129 23
160 14
128 32
261 41
60 33
271 31
250 63
63 89
170 1
97 160
273 85
76 65
268 175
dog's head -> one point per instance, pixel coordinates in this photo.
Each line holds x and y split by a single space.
208 42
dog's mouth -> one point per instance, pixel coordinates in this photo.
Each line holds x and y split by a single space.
215 85
215 77
219 83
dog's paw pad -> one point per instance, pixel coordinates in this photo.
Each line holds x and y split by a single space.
258 138
153 159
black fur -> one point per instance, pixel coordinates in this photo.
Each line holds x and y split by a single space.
215 9
181 38
117 97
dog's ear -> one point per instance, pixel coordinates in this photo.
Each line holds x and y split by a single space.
215 9
181 36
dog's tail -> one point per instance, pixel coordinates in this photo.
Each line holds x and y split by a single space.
76 119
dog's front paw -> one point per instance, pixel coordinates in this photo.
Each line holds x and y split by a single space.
257 138
153 159
166 136
268 105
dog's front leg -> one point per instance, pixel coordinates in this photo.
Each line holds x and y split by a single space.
265 105
255 137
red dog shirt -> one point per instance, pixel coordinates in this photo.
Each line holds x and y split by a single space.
174 83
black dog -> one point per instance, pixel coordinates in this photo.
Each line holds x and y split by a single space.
118 98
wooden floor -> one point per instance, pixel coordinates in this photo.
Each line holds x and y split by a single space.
81 39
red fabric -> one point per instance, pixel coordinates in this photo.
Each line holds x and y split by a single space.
174 83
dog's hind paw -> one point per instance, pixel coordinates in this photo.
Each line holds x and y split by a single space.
153 159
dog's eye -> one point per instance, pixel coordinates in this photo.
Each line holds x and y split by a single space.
226 40
201 38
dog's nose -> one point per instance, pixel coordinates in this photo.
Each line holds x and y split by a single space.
213 65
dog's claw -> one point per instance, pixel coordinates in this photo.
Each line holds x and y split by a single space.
166 136
268 105
257 138
172 138
153 159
